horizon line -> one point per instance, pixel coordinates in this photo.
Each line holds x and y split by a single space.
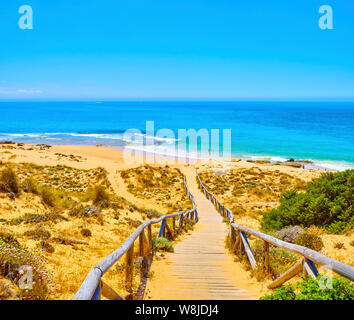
162 99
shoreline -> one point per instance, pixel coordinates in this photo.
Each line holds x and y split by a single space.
310 164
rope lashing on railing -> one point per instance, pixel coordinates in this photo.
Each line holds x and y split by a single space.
93 286
310 256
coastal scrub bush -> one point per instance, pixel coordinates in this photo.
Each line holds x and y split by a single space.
162 244
86 232
99 194
309 240
8 181
289 234
38 234
32 186
328 202
12 257
152 213
46 247
9 239
313 289
48 196
286 292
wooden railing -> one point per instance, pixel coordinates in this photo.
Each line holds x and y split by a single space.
240 244
93 286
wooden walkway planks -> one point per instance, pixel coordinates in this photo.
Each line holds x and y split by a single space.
196 270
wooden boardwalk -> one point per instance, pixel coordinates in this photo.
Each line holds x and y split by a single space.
200 266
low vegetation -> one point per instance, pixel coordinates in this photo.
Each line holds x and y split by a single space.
162 244
328 203
322 288
68 219
8 181
13 256
254 189
162 185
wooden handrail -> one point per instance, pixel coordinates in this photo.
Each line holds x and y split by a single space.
90 288
339 267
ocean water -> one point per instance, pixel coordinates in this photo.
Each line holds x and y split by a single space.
322 132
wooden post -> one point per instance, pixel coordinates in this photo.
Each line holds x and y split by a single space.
162 228
232 238
181 221
232 235
248 250
141 244
174 224
292 272
309 269
129 269
266 255
109 293
241 249
150 240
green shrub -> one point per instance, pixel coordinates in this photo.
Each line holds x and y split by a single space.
327 202
315 289
17 221
309 240
8 181
286 292
162 244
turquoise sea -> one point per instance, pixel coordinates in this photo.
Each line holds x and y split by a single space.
319 131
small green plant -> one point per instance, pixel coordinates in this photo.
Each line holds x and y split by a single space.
162 244
315 289
86 232
309 240
17 221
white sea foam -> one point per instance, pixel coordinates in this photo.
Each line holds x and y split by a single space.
167 140
161 146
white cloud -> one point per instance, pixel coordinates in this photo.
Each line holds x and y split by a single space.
26 91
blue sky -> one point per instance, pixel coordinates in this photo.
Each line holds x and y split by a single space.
185 49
